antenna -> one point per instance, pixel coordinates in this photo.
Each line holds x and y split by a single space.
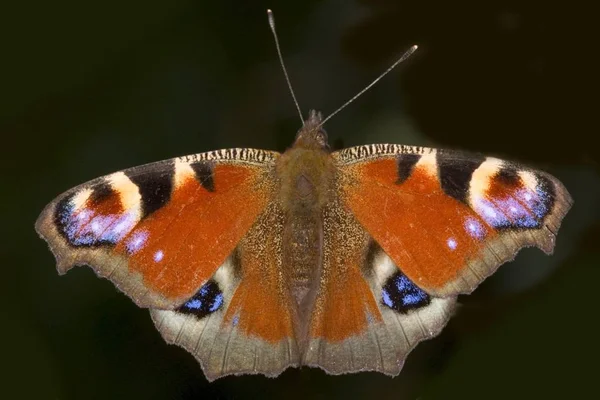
404 56
287 78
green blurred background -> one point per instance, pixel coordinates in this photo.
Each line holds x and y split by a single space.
88 88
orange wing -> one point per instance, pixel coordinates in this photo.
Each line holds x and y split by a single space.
241 320
411 228
367 315
196 239
160 231
448 219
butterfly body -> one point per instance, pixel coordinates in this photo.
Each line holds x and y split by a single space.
306 176
256 261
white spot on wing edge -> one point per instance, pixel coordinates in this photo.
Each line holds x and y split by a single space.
480 180
79 199
129 193
529 180
428 163
183 172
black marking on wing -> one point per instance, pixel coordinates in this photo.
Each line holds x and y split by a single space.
62 215
508 176
155 187
401 295
204 174
236 262
101 192
206 301
406 163
373 250
455 173
75 232
516 207
546 186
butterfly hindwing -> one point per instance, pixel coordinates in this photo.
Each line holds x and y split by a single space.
160 231
367 316
449 219
250 327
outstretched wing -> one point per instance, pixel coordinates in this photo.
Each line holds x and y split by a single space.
241 320
161 230
449 219
367 314
412 228
197 240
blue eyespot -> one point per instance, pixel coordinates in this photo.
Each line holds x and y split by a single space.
206 301
400 294
85 227
525 208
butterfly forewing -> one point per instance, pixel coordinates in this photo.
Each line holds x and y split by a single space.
449 219
160 231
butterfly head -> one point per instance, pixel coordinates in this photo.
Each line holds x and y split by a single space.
312 135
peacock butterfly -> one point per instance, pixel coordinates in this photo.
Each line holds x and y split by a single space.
256 261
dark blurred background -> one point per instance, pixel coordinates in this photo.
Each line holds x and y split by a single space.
88 88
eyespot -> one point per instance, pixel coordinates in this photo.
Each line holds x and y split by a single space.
206 301
400 294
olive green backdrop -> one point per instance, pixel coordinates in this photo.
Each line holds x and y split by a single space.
88 88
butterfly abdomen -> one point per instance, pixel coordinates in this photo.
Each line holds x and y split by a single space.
302 257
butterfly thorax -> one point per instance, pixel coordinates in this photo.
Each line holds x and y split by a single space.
306 170
306 177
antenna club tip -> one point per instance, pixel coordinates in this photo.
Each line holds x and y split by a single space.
414 47
271 18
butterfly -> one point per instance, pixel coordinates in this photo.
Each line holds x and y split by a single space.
256 261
